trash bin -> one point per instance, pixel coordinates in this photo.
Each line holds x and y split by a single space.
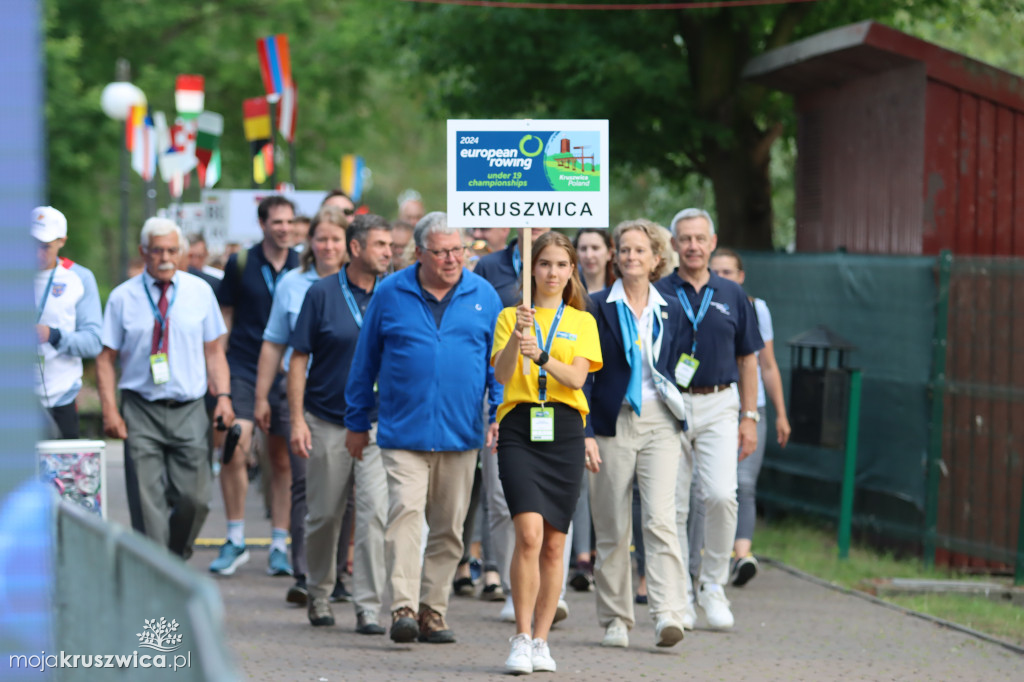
819 389
78 469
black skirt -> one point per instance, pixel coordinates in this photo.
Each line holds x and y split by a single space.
542 477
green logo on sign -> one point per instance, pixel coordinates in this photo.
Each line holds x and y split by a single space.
526 138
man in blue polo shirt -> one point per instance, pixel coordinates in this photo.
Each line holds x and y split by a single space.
426 342
246 294
327 329
722 343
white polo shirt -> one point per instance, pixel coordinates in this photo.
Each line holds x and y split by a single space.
194 320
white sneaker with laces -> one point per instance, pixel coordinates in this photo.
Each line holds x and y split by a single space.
561 611
508 611
716 607
520 658
616 634
689 614
667 632
541 659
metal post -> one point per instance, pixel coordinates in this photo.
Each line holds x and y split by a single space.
938 399
850 466
273 145
151 198
291 163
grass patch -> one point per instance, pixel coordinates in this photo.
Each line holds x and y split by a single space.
812 548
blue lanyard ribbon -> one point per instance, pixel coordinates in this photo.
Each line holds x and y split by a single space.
270 278
542 379
517 261
156 311
357 315
46 294
688 309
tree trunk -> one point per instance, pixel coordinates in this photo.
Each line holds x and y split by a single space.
743 193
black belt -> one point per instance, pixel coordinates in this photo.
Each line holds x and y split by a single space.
164 402
705 390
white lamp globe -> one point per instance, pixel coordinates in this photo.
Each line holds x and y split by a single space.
119 97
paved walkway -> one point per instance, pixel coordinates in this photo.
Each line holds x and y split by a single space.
787 629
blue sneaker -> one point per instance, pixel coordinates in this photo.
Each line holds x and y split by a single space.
278 564
231 557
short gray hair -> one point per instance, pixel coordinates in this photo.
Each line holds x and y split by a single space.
435 222
689 213
158 227
361 226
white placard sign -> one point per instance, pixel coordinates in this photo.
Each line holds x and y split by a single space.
229 215
527 173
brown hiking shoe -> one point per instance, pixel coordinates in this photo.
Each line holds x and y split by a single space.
403 625
433 629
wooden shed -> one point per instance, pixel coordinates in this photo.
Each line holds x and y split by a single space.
903 147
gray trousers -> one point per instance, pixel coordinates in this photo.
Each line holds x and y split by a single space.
170 458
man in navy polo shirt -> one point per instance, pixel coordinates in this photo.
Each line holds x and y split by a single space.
426 342
722 343
246 294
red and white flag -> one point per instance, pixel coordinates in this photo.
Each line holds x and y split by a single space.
286 111
189 97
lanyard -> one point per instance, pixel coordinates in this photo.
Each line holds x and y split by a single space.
517 261
688 309
542 379
156 311
46 295
350 299
270 279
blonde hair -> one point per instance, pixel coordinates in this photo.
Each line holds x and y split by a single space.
658 237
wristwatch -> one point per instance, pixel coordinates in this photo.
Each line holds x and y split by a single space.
543 358
751 414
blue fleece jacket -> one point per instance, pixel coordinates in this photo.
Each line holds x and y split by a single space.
431 380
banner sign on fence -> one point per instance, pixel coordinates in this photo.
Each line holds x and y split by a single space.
529 173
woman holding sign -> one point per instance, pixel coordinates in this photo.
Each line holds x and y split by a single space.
541 436
636 421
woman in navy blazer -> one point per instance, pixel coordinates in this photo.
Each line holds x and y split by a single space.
631 431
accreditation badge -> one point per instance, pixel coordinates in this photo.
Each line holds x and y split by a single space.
542 424
685 369
160 368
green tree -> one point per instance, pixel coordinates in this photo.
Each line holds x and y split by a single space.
669 81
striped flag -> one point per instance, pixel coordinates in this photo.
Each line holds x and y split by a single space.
286 110
256 119
189 98
136 118
275 63
210 173
352 176
144 147
262 160
210 128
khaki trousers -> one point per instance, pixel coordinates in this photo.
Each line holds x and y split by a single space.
431 488
328 474
647 446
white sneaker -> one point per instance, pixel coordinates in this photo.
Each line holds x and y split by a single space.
689 615
541 659
716 607
508 611
616 634
561 612
520 658
667 632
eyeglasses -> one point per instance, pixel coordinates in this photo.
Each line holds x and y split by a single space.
349 211
455 252
158 251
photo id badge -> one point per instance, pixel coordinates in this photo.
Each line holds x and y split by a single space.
685 369
542 424
160 367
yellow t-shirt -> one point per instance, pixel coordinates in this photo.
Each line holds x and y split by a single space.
576 337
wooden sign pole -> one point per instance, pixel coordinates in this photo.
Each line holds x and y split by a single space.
526 250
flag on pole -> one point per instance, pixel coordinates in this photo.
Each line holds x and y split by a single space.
163 133
256 119
262 160
136 118
275 63
144 147
286 110
210 173
209 129
352 176
189 98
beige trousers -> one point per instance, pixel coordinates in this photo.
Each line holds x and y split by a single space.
647 446
431 488
328 474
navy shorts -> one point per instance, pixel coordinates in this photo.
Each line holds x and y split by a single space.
243 400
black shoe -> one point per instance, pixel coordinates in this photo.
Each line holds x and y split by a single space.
584 578
492 592
340 593
743 570
366 624
463 587
640 599
298 593
404 627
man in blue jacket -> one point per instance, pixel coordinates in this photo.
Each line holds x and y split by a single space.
426 342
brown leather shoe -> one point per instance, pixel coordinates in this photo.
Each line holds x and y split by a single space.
403 625
433 629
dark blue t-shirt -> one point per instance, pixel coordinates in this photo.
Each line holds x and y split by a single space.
499 270
728 330
327 330
250 296
437 307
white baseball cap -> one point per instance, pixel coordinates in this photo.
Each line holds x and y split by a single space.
48 224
